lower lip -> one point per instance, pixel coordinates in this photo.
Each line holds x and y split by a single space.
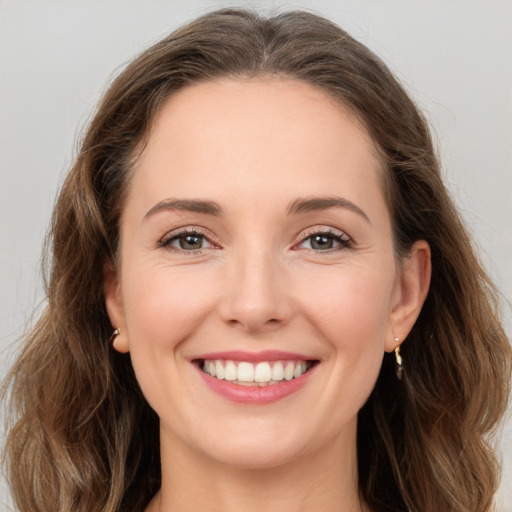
255 395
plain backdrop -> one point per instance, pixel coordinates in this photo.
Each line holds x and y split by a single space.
56 57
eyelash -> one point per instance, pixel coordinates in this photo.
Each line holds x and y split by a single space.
345 242
196 232
337 236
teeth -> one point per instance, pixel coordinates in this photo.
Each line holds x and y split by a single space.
245 372
261 374
278 371
288 371
299 370
230 371
219 370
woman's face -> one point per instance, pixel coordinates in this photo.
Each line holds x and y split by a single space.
256 246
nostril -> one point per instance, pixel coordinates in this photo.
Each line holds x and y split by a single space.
254 324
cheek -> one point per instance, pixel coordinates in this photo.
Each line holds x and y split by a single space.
352 314
350 305
164 305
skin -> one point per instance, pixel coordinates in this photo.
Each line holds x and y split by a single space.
257 281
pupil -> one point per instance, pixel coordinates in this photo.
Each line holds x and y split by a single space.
321 242
190 242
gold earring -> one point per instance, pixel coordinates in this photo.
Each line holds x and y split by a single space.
399 366
114 334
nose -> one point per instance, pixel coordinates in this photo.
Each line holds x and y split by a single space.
256 297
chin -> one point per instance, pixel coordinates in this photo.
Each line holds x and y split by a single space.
257 444
251 456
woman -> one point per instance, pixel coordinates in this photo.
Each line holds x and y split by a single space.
253 236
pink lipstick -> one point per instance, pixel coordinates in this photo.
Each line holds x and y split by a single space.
255 377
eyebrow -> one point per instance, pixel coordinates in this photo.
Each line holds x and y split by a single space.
311 204
189 205
300 205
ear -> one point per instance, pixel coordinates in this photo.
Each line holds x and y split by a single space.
114 305
410 294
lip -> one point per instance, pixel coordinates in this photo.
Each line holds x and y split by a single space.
255 395
255 357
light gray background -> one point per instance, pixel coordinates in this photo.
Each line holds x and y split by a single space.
454 56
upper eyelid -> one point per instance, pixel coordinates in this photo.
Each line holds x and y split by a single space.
346 241
299 237
316 230
165 240
186 230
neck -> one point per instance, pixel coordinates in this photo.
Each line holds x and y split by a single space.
325 480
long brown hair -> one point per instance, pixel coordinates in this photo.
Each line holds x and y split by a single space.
83 437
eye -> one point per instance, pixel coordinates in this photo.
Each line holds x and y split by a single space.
326 241
187 241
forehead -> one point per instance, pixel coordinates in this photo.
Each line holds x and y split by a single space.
246 104
260 135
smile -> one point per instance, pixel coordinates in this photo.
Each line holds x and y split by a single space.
264 373
252 378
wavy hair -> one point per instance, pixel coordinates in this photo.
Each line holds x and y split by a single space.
82 436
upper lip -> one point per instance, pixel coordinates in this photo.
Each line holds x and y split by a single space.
254 357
